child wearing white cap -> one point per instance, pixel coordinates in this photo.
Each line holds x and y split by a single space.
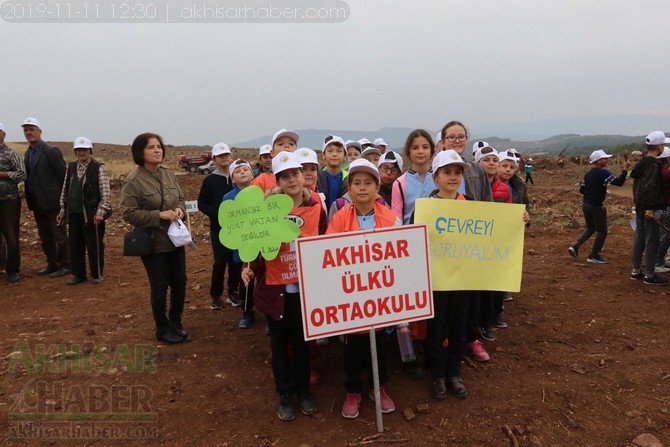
390 168
332 178
649 201
380 144
450 308
241 176
353 150
277 292
264 160
213 188
664 241
282 140
363 213
593 187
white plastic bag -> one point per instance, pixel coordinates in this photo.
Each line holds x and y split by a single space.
179 235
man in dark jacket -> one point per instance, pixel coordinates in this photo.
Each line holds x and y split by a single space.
45 168
649 200
85 202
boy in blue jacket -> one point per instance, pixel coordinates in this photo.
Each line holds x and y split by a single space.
594 189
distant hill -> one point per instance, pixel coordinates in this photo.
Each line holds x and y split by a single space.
313 138
571 144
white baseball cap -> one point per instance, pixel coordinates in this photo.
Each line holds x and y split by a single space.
363 141
285 133
2 127
370 150
506 155
485 152
597 155
30 122
362 165
335 139
82 143
236 164
306 156
264 150
479 145
391 157
380 142
352 143
285 160
438 137
657 137
665 153
448 157
220 149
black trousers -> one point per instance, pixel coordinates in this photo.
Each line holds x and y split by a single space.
358 358
450 320
223 257
491 304
167 270
10 217
83 238
596 222
290 354
53 237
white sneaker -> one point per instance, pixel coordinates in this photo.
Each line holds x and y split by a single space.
661 269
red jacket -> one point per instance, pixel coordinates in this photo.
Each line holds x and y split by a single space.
500 191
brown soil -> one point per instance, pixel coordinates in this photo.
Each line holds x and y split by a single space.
583 362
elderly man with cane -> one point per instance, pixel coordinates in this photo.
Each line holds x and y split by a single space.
85 202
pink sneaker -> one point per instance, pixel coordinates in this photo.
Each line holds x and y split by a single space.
387 403
477 351
350 405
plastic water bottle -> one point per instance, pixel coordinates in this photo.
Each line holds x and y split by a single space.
405 343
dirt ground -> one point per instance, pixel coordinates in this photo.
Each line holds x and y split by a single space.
583 363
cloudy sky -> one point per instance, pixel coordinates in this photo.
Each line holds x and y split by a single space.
492 64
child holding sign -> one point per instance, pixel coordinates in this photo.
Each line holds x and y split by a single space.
451 307
277 291
241 175
363 213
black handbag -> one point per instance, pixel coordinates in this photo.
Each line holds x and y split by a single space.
138 243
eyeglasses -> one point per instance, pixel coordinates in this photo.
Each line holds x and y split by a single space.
393 169
453 138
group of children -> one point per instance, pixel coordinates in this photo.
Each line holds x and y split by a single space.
372 193
651 196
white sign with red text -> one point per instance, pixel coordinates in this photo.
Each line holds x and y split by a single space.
356 281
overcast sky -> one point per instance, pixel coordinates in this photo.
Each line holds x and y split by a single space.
488 63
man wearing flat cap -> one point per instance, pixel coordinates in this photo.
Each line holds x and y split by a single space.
46 167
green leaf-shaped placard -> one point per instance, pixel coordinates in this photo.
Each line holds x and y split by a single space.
254 224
